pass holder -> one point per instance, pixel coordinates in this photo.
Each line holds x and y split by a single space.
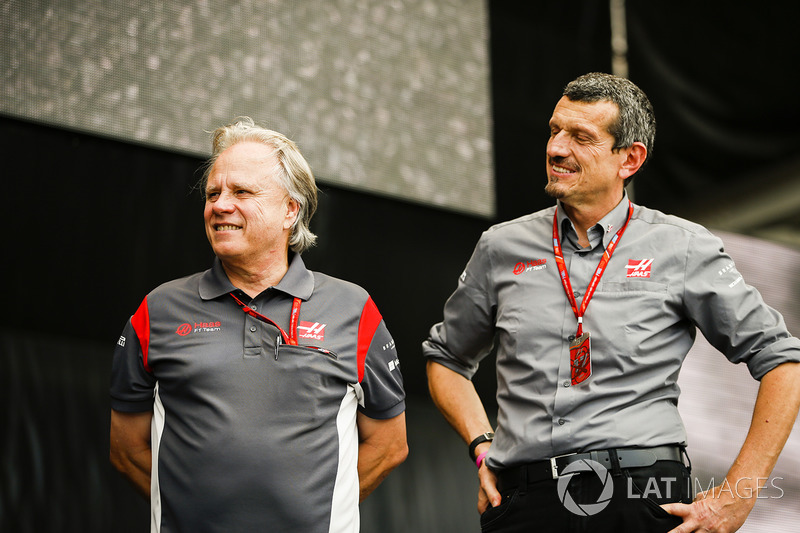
580 358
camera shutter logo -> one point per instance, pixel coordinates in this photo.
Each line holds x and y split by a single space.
585 509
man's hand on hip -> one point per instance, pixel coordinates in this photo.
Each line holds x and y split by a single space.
718 510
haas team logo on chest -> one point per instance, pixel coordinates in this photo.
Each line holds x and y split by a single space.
311 330
639 268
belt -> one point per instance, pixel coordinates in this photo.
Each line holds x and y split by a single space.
552 468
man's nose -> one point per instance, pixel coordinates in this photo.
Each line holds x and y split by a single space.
224 203
558 145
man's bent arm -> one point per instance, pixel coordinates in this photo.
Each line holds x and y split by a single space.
457 399
130 451
382 446
724 508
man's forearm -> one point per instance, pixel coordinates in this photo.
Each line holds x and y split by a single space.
459 402
457 399
373 467
130 451
774 415
137 470
725 507
382 447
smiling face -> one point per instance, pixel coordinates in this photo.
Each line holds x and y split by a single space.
582 168
247 214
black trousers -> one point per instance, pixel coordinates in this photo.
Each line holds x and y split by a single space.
628 501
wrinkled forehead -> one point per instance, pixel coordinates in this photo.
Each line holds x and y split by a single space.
246 161
596 116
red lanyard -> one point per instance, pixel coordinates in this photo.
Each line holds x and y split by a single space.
598 273
291 338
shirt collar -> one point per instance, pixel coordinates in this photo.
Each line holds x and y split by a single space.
298 282
611 223
606 228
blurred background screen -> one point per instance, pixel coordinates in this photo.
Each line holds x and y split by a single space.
386 97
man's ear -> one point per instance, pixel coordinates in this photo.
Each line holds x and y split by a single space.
636 155
292 212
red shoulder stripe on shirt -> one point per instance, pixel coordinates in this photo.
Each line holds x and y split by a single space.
370 319
141 324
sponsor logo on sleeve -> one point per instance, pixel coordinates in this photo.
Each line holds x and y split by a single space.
731 268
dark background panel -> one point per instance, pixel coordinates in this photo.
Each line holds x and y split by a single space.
722 79
536 49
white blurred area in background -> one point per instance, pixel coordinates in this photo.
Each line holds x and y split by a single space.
717 397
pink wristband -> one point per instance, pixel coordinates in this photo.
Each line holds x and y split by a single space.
479 460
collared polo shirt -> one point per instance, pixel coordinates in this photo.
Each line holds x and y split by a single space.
251 433
666 278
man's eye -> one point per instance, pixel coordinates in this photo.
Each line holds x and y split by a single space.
212 196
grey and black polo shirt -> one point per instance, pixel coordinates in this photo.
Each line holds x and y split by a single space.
251 433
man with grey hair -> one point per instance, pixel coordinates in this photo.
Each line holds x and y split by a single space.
591 307
257 395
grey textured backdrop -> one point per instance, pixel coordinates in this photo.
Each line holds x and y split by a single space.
390 97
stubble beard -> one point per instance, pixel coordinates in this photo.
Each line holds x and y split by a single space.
553 190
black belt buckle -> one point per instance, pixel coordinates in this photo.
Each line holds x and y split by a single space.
554 464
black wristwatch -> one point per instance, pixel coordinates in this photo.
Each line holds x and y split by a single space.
486 437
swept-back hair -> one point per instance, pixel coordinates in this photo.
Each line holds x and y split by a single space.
292 172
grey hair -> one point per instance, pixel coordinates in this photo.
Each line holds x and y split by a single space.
293 172
636 121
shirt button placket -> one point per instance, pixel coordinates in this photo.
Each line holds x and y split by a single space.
252 337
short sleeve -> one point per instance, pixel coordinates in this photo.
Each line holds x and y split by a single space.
379 367
132 385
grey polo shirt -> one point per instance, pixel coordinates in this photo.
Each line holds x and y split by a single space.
250 434
666 276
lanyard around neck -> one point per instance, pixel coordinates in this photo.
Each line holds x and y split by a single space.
598 273
291 337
